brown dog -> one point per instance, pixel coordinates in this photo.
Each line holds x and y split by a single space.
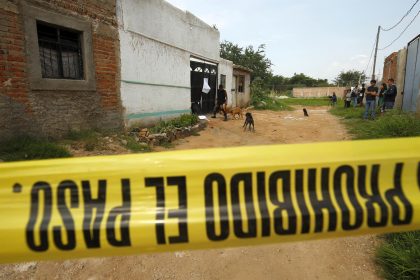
236 113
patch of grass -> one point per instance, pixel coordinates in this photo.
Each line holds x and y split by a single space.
89 138
27 148
167 145
307 101
348 113
273 104
399 256
136 147
81 135
184 120
391 125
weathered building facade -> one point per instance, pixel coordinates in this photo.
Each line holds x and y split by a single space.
394 68
166 54
106 64
59 67
404 67
241 86
236 80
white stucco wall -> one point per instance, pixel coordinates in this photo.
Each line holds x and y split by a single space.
163 22
226 68
243 99
155 80
157 41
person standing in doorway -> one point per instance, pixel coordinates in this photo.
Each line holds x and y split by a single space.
371 94
390 95
221 102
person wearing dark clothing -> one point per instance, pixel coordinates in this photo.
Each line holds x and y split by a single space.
371 94
221 101
334 99
381 99
361 95
390 95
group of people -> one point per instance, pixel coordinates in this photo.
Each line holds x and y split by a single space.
383 98
355 96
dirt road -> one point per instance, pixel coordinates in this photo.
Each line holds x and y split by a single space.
345 258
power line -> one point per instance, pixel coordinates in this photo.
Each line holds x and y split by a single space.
409 11
371 55
399 36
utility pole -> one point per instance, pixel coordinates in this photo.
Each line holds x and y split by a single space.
376 53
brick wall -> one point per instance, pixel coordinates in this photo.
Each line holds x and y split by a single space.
53 113
390 67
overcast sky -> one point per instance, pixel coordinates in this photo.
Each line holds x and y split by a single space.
317 38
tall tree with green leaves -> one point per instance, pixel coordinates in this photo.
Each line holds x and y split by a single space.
254 59
349 78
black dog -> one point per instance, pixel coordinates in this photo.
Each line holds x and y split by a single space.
249 121
305 112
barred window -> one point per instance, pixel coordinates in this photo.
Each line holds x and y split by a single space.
60 52
223 80
241 84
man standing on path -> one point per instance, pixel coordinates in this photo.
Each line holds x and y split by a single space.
371 94
221 102
390 95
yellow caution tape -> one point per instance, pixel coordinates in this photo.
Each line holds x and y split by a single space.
119 205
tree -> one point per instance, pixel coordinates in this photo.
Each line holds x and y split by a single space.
254 59
350 78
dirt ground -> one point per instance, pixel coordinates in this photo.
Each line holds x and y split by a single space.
344 258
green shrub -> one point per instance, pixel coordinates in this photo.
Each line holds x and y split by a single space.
27 148
399 256
262 100
259 94
184 120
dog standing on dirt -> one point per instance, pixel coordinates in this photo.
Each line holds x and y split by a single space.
305 112
236 113
249 121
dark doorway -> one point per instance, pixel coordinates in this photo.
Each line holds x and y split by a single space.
203 103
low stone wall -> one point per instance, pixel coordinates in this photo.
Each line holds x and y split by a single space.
146 137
